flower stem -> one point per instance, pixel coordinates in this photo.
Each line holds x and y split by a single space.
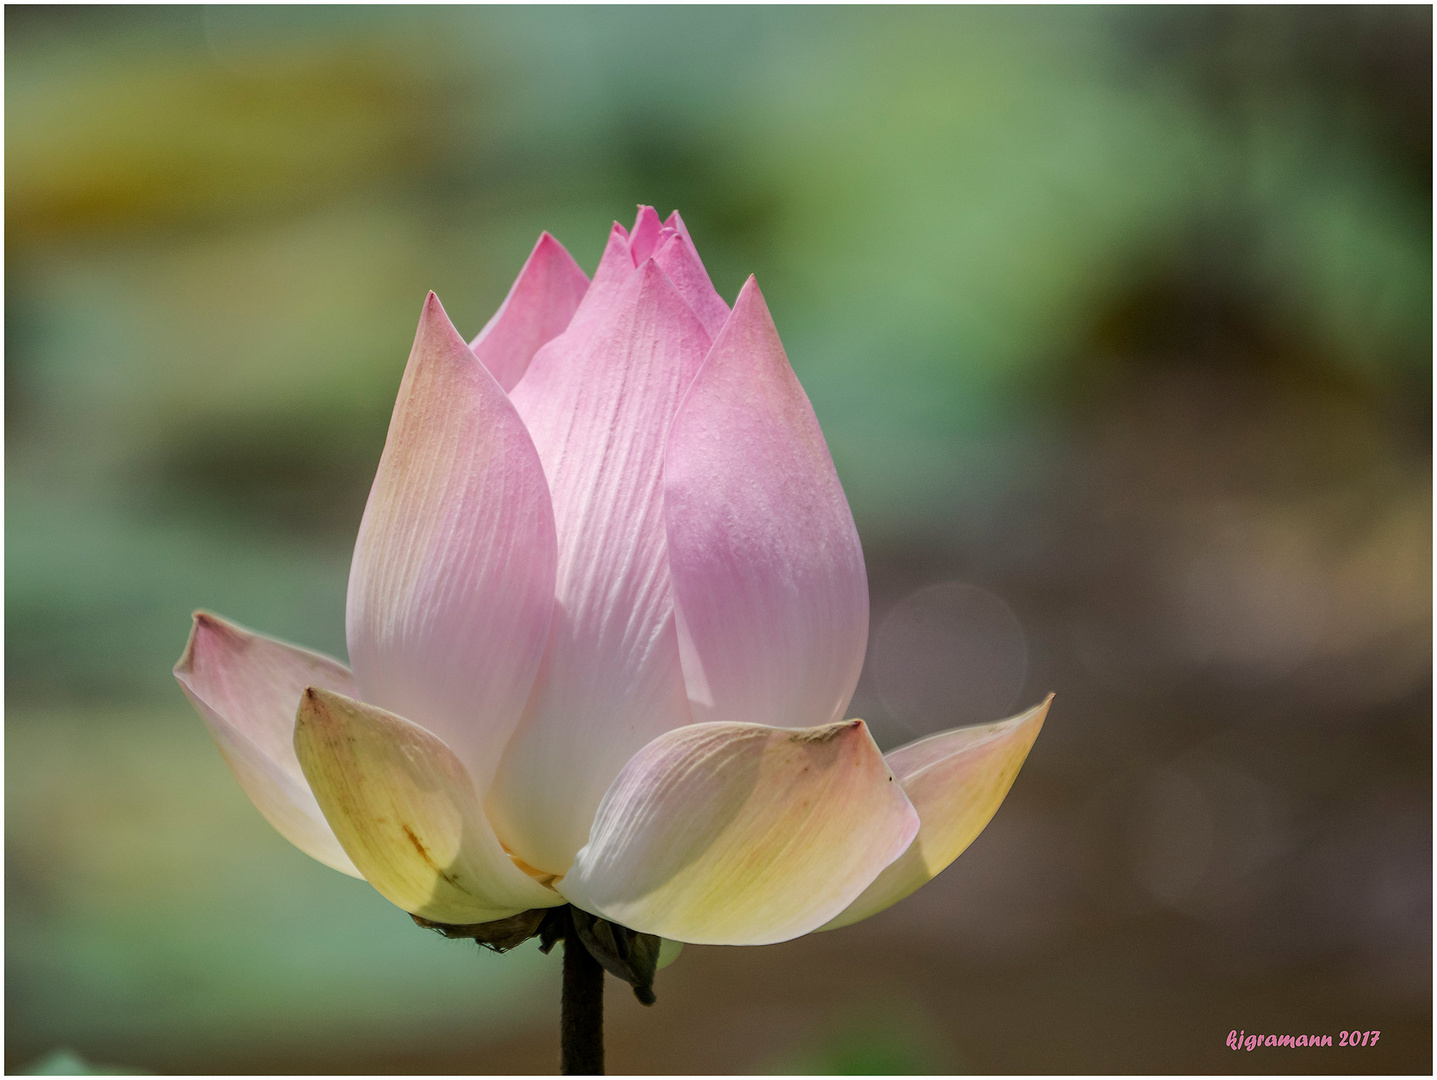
581 1023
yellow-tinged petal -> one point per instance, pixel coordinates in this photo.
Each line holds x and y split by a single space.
741 834
405 810
956 781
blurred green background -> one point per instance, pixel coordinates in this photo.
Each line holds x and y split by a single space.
1119 326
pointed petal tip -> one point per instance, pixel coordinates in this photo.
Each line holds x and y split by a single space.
840 729
203 624
546 245
185 665
549 245
245 687
652 273
1024 727
645 237
750 293
437 331
1034 716
956 781
313 710
432 316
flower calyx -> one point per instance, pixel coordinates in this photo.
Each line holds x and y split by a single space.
500 936
626 954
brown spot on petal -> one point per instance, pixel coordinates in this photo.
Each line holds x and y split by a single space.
419 846
428 858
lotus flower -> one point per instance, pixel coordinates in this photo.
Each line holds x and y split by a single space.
606 612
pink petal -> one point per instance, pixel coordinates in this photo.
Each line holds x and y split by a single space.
451 589
539 306
956 781
675 222
769 582
615 268
741 834
407 813
247 690
678 259
599 409
644 238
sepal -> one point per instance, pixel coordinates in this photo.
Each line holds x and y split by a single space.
501 935
625 954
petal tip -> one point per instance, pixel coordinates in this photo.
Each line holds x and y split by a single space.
650 274
431 316
203 624
185 665
1034 716
315 709
317 698
829 732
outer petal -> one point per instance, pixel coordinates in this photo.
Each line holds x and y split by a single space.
599 410
956 780
539 306
451 589
768 573
740 834
678 259
247 688
407 813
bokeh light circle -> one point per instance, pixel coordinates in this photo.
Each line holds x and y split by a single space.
948 655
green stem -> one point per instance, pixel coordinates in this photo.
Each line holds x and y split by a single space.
581 1023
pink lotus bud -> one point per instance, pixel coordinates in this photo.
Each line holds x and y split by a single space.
606 612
